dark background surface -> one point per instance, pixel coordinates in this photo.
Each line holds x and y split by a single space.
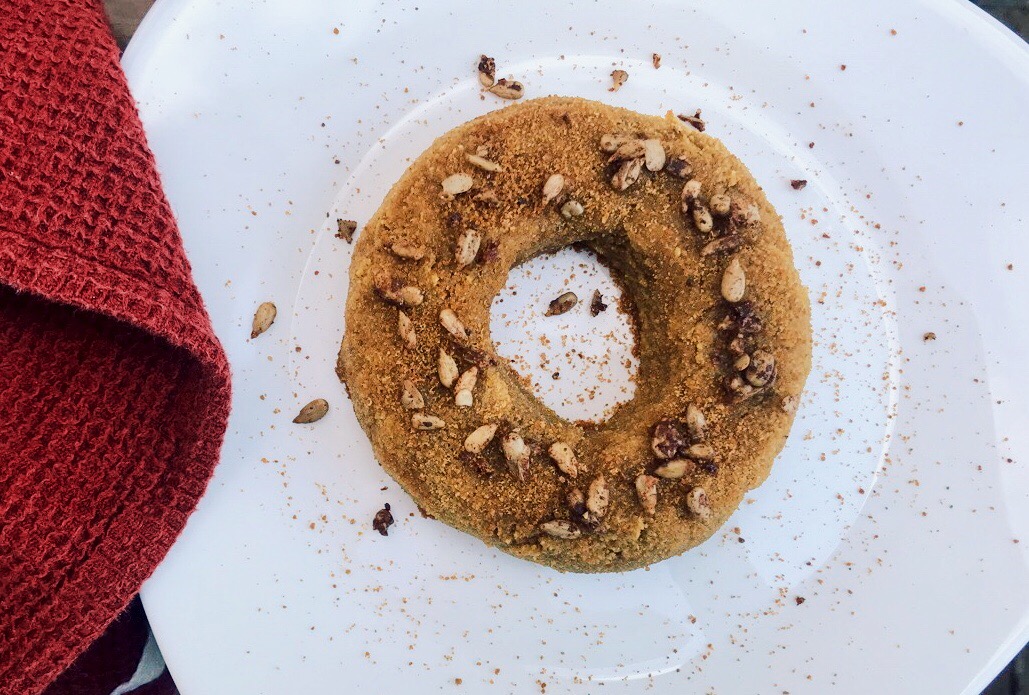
126 14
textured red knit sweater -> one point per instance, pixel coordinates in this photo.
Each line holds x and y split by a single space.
114 392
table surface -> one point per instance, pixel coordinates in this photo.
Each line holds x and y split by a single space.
125 15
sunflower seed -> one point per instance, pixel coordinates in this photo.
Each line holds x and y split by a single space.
552 187
761 371
410 252
741 363
447 369
467 247
674 469
646 490
562 304
702 218
487 70
345 230
610 143
405 327
483 163
696 423
395 293
734 281
627 174
700 452
312 412
720 204
456 184
479 439
561 528
421 421
264 317
517 454
564 458
690 194
411 397
698 503
507 89
598 498
725 244
464 387
572 208
448 319
628 149
654 155
618 78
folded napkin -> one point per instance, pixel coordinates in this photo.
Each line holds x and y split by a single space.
114 391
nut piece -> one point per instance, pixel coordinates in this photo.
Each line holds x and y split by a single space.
448 319
646 490
409 252
572 208
487 70
720 204
483 163
405 327
478 440
345 230
458 183
721 245
674 469
734 281
668 439
517 454
423 422
618 78
700 452
464 387
695 120
597 304
679 166
562 304
561 528
627 174
467 247
741 363
702 218
507 89
655 59
654 155
411 397
312 412
447 369
696 423
761 371
552 187
565 459
598 497
264 317
698 503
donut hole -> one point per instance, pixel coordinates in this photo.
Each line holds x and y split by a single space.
580 365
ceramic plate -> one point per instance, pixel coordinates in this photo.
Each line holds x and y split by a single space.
882 555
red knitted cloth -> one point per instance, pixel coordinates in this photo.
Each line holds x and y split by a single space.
114 392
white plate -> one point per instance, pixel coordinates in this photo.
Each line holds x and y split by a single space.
896 508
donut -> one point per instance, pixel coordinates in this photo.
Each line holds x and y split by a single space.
722 327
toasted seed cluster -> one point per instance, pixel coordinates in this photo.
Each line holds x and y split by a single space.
451 421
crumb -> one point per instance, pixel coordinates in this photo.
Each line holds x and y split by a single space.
695 120
383 520
799 599
597 304
458 681
798 184
929 336
893 32
843 67
345 230
618 78
1011 266
656 60
811 145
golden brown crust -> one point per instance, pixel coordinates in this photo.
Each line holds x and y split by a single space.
656 249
